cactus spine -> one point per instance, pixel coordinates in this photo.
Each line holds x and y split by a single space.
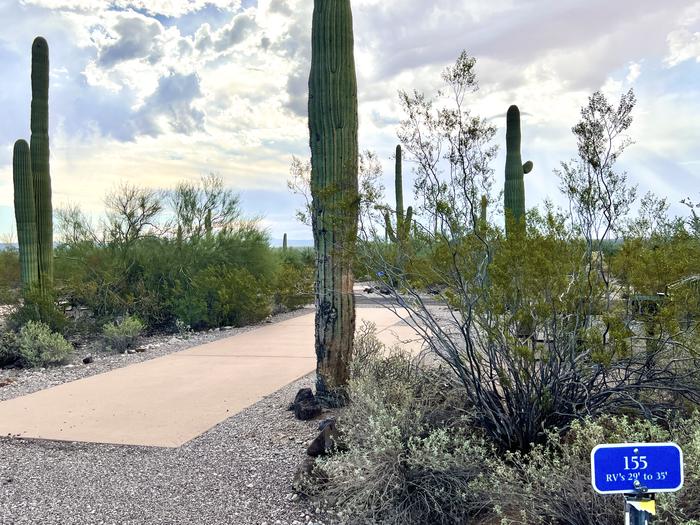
284 242
514 194
25 214
335 206
403 223
39 148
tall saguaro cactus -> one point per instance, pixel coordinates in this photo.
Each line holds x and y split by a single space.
514 194
334 188
399 235
32 182
39 148
284 243
25 214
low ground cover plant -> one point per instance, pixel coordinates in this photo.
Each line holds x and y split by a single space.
39 346
121 335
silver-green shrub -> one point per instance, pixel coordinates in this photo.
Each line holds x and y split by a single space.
409 455
122 335
39 346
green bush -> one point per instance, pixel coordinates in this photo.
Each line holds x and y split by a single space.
294 279
38 308
161 280
9 349
122 335
9 276
221 296
39 346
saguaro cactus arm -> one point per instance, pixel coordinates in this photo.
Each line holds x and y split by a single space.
25 214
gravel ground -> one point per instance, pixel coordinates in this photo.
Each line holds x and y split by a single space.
239 472
17 382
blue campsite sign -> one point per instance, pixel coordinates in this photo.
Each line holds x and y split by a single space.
631 468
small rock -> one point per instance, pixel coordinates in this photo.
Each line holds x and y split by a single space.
88 359
141 350
71 365
304 395
131 351
306 411
326 442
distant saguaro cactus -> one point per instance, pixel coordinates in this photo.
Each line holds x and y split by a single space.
25 214
32 182
284 242
399 235
514 191
334 189
483 210
39 148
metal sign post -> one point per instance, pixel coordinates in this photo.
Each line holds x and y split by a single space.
639 471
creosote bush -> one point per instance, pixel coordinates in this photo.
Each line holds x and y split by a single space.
412 454
121 335
39 346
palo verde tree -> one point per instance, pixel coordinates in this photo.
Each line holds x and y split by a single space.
334 189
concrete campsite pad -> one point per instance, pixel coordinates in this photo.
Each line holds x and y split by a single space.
170 400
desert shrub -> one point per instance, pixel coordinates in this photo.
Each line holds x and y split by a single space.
39 346
9 276
9 348
38 307
159 279
121 335
294 279
221 296
551 484
409 456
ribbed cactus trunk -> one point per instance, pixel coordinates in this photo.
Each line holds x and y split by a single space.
334 189
207 224
514 191
39 148
398 187
284 243
25 215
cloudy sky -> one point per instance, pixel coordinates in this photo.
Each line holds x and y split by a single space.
156 91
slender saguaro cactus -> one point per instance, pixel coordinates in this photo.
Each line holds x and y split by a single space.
25 214
284 242
39 148
207 224
483 210
334 189
514 194
403 223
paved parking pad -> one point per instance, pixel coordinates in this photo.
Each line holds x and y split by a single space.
170 400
